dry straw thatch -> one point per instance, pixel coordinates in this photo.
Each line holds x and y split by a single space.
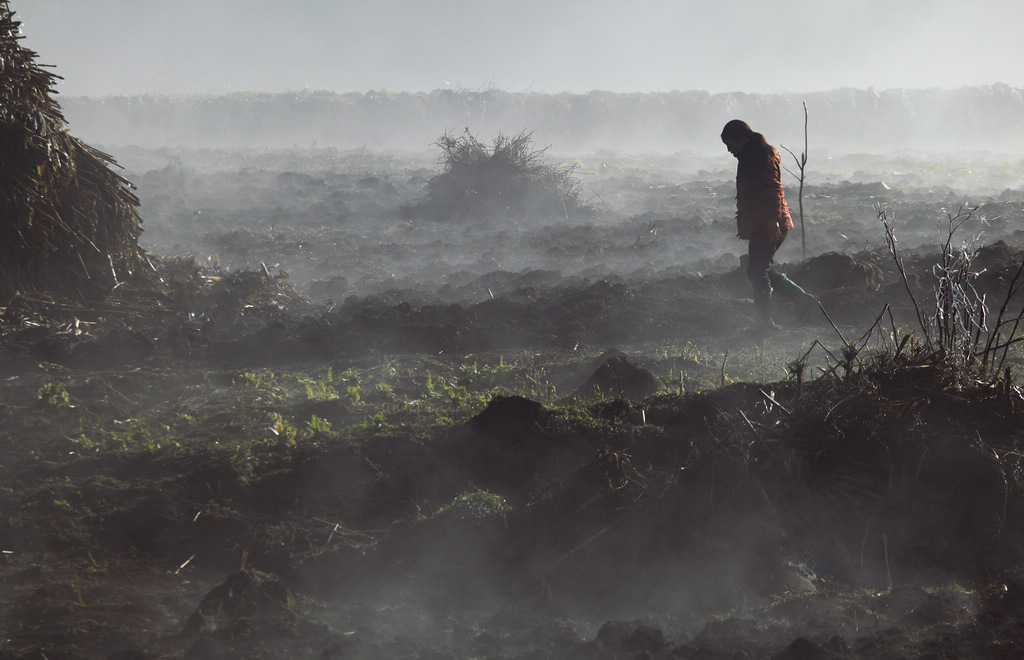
70 225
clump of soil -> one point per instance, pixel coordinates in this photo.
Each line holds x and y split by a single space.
621 377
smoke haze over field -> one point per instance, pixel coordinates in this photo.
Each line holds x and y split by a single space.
126 47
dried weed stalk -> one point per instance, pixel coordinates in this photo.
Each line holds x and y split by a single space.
958 330
801 164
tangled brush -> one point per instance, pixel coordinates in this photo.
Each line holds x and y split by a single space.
509 179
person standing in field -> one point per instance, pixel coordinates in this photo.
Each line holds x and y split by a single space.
762 218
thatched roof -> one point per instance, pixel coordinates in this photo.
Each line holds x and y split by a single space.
69 225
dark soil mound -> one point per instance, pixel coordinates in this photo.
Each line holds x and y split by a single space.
618 376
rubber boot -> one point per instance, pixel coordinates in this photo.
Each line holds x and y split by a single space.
763 313
804 302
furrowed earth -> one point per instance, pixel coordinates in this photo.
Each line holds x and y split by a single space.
323 425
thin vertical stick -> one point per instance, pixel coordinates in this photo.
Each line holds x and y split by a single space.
801 163
863 543
885 550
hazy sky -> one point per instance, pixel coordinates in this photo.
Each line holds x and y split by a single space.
104 47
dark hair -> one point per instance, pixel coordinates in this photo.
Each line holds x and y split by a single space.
738 129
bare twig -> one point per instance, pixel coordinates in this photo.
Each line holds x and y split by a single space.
990 346
801 163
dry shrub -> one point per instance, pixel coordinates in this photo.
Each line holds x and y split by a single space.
959 328
509 179
71 225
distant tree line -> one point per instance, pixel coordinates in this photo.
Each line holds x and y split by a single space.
843 120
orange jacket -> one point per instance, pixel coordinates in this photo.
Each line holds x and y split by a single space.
761 209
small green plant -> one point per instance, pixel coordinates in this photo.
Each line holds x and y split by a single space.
388 370
723 379
256 379
54 395
485 375
348 382
283 431
321 388
534 382
184 420
85 443
264 385
134 433
456 394
378 420
318 425
476 504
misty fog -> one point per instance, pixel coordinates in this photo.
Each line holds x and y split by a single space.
214 94
281 155
123 47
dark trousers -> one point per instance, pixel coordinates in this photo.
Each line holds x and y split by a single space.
760 256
